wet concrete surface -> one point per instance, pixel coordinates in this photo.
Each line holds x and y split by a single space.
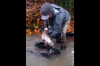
65 59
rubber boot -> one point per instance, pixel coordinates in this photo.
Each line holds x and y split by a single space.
63 42
58 39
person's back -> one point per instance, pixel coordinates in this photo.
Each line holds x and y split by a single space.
63 14
66 14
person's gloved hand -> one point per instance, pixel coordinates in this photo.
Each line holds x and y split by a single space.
46 28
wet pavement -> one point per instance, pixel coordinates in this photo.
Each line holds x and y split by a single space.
65 59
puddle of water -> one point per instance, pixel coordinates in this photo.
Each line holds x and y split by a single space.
65 59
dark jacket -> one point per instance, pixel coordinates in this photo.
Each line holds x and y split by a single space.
55 24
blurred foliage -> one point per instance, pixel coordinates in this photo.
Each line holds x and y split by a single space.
33 15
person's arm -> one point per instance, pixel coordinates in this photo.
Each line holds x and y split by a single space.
57 26
46 25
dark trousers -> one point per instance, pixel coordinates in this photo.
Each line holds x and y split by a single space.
61 38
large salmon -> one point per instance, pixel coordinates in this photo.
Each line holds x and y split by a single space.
47 38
